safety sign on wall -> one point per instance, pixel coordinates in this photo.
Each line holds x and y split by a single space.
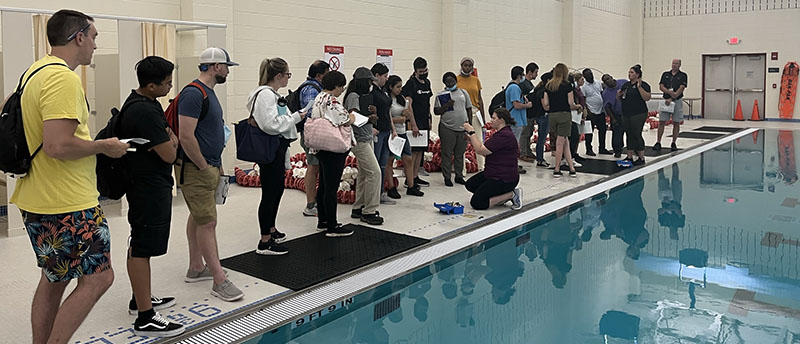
385 56
334 56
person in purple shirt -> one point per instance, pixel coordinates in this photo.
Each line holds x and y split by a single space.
613 109
497 184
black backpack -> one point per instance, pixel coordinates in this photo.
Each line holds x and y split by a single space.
112 173
15 155
293 101
535 97
499 100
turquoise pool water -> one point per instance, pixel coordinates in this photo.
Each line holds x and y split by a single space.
703 251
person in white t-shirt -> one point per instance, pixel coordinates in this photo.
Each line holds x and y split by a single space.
593 91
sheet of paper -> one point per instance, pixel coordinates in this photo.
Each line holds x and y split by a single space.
396 146
360 119
576 117
135 140
480 118
418 141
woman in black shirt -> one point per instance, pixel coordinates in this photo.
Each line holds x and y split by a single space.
558 101
634 94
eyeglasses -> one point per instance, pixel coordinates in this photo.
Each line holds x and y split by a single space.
72 36
288 75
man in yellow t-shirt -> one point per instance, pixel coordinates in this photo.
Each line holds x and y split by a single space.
58 197
472 85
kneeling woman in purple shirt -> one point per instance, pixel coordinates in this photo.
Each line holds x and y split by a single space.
497 184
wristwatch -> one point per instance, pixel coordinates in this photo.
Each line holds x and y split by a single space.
471 132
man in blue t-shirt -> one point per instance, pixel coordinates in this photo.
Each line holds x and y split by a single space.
202 141
308 92
517 104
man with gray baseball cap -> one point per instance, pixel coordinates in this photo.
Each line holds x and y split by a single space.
202 139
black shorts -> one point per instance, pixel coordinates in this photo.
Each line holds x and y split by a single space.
149 215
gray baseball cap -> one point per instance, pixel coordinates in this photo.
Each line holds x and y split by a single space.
364 73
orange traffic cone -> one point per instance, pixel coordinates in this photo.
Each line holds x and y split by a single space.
755 137
755 116
738 116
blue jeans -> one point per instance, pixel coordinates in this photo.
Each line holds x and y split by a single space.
544 128
382 153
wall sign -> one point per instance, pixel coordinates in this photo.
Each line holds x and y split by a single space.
334 56
384 56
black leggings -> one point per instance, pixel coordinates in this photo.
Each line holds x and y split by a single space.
273 176
633 131
331 167
483 189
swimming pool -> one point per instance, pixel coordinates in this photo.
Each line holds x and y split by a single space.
702 251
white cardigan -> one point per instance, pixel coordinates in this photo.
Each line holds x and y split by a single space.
266 114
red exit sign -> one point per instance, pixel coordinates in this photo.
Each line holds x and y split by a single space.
734 40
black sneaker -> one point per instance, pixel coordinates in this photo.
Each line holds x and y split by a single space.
617 155
590 153
339 231
604 152
157 326
321 226
279 237
557 174
372 219
270 248
356 213
638 162
392 193
420 182
543 163
521 170
573 174
673 147
414 191
448 182
158 303
460 180
657 146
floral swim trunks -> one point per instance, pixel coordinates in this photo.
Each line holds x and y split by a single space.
70 245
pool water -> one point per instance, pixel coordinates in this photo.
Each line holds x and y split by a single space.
703 251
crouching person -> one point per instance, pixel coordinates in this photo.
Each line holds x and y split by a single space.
497 184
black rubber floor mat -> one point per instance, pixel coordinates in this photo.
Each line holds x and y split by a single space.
316 258
597 166
649 151
697 135
718 129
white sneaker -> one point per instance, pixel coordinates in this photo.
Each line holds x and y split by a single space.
385 199
310 211
516 200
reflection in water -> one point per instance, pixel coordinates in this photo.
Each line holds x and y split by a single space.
624 216
670 194
504 270
786 156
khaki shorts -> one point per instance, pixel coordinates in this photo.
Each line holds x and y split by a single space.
561 123
198 188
